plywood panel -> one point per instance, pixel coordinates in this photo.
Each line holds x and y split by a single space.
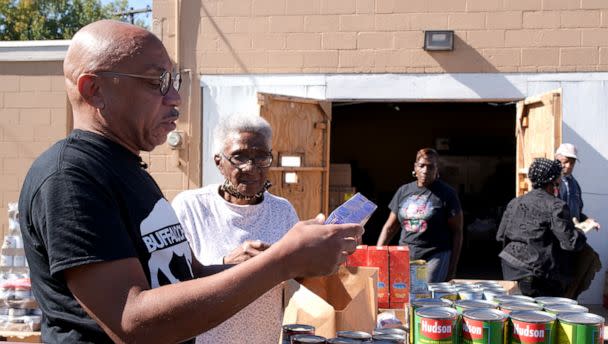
539 132
300 127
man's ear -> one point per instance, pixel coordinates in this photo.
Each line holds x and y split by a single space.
88 87
217 159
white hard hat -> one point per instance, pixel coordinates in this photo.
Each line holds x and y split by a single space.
567 149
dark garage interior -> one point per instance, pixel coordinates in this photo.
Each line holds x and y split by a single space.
476 143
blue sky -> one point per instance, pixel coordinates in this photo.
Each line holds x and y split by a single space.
137 4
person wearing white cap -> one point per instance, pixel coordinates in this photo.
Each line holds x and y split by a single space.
583 265
569 189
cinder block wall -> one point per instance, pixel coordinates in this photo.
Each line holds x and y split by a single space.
33 108
378 36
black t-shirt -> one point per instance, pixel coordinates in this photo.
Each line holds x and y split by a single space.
87 200
423 214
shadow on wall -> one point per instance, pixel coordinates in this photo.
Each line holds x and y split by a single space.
464 62
590 173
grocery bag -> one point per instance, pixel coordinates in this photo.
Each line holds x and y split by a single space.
345 300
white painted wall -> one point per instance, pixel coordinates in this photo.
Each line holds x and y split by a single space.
585 116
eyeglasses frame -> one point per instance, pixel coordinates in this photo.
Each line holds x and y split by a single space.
249 161
173 77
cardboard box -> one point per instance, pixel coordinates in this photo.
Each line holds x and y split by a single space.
340 175
378 257
510 286
399 274
359 257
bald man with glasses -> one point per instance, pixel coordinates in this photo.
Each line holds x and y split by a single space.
109 260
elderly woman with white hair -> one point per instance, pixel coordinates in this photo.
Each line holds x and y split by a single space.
231 222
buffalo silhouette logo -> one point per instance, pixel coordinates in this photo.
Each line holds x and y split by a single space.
167 245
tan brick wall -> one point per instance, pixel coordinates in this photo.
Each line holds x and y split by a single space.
178 170
33 107
361 36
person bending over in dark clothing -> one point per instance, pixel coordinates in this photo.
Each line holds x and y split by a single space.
535 230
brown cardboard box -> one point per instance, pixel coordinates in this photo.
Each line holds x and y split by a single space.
339 175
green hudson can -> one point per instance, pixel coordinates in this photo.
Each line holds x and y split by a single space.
551 300
558 309
532 327
574 328
483 326
419 303
465 305
520 306
435 325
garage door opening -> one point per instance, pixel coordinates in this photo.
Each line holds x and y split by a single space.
477 145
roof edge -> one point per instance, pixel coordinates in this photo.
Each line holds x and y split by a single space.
33 51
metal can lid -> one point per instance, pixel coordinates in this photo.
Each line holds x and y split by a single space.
298 328
342 341
437 312
446 290
485 314
398 338
390 330
532 316
393 336
581 318
521 306
426 302
472 304
511 298
360 335
566 308
307 338
547 300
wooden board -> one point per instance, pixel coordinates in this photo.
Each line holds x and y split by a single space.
539 133
300 127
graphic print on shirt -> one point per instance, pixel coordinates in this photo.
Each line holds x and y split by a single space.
414 211
166 242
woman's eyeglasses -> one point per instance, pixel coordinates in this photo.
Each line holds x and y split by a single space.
166 79
241 161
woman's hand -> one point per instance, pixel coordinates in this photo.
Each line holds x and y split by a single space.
245 251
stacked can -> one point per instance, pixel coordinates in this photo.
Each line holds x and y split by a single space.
527 327
558 308
307 339
291 330
510 307
435 325
390 335
483 326
421 303
574 328
361 336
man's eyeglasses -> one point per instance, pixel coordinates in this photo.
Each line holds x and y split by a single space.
166 79
241 161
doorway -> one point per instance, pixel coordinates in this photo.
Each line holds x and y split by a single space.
477 146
